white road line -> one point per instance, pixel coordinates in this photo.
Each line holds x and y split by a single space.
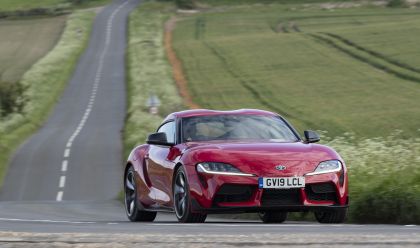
64 165
259 225
92 98
62 182
67 153
59 196
47 221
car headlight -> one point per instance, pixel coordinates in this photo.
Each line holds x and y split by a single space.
327 167
220 169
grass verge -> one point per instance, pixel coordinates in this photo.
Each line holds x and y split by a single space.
148 72
384 177
44 83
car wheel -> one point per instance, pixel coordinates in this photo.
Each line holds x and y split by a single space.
332 216
273 217
130 199
181 196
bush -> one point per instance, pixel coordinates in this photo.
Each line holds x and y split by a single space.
396 3
185 4
35 12
11 99
395 201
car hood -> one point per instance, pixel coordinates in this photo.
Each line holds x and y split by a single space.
261 158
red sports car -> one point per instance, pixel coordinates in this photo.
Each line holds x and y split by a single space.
203 161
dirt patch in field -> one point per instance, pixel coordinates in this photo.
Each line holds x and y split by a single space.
176 65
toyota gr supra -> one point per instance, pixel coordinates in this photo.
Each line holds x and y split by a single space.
203 161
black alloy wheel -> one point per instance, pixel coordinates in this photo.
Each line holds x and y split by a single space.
130 199
181 196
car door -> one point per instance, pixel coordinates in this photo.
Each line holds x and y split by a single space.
160 167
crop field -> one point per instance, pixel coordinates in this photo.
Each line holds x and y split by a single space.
24 42
339 70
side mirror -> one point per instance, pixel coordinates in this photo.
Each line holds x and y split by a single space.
311 136
158 139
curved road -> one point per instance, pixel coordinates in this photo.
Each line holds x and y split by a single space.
67 176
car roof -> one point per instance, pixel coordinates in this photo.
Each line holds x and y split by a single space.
207 112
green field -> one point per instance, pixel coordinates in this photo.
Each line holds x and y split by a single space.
341 70
24 42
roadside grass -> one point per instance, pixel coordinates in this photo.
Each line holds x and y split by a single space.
384 177
24 42
148 73
350 72
44 83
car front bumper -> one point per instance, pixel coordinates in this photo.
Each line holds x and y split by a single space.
205 194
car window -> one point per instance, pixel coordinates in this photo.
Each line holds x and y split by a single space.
169 129
236 127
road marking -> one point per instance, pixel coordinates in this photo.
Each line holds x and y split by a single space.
62 182
66 152
259 225
98 76
48 221
8 239
64 165
59 196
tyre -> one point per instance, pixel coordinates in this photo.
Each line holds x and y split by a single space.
273 217
181 196
331 216
130 199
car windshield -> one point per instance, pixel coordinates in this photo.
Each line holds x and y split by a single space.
236 127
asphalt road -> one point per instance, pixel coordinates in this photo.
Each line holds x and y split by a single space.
103 224
66 177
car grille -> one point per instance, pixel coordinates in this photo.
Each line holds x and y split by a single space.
280 197
233 193
321 192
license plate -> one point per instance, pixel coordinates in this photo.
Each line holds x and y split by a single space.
281 182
